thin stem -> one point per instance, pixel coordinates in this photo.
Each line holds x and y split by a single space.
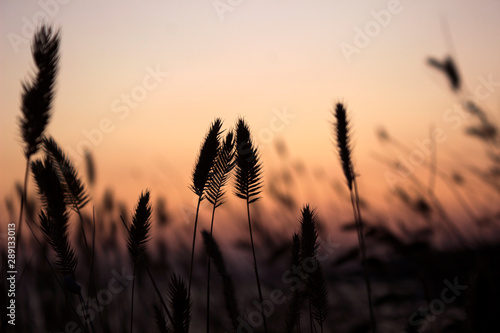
192 249
361 240
92 253
92 283
450 224
55 275
23 199
132 302
255 267
167 311
208 267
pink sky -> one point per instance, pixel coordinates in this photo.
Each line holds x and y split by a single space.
260 59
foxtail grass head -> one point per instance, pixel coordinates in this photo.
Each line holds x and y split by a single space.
206 159
221 170
38 91
248 166
342 133
54 217
138 234
315 283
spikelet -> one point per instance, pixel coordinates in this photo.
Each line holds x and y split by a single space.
138 234
248 167
342 130
223 165
206 159
38 92
75 193
180 305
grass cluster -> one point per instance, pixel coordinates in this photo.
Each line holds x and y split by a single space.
229 163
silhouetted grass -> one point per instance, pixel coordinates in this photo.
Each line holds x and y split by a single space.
227 282
37 96
54 219
404 261
75 193
223 165
180 305
342 131
202 176
248 184
138 236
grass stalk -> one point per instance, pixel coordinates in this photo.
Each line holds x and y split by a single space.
342 131
208 268
193 246
227 282
221 169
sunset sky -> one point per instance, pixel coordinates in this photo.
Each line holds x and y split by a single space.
143 80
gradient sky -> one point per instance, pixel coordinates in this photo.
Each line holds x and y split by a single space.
257 59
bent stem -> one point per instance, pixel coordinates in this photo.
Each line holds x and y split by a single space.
255 267
82 227
208 268
192 248
362 246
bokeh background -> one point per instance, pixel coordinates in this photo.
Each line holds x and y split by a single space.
249 59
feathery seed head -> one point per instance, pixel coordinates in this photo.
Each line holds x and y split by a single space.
221 170
206 159
38 91
449 68
248 167
161 322
139 230
342 129
75 194
181 305
309 236
227 282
